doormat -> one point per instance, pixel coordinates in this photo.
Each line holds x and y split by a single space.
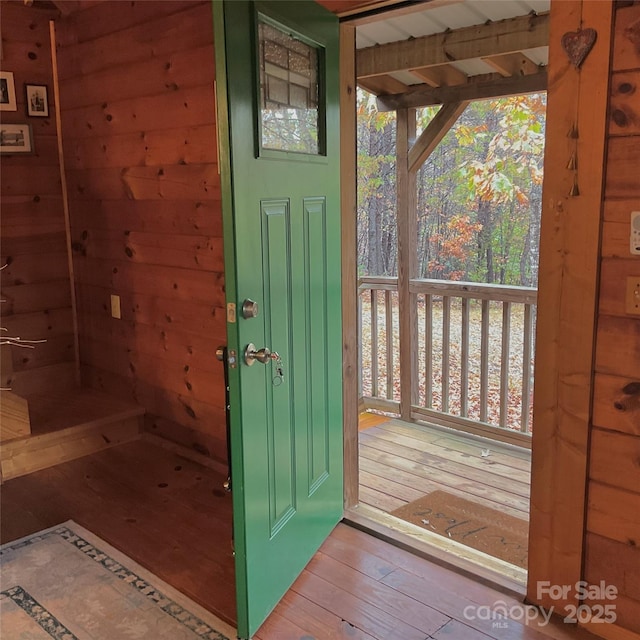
68 584
488 530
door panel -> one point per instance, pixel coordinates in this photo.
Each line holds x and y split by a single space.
278 330
317 322
277 70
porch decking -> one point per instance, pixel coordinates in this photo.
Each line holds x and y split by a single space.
400 462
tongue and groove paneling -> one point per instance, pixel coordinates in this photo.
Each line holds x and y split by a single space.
137 98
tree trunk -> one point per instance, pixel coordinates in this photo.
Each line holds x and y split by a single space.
525 278
485 250
373 255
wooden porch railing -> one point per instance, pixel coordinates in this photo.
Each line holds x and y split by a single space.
475 352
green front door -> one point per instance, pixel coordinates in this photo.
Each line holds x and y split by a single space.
278 116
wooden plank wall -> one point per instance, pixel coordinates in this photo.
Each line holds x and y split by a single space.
35 284
137 99
613 517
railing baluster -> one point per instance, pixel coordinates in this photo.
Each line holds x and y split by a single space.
484 362
428 350
504 363
381 395
389 330
464 365
446 351
374 343
526 367
360 348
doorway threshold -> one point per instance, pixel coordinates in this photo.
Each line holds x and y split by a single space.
496 573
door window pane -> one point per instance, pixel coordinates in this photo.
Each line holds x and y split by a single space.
288 92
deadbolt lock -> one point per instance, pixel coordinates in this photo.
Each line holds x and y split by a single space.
249 308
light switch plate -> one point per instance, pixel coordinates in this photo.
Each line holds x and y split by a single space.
115 307
634 238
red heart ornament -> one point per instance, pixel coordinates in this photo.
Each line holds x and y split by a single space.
577 45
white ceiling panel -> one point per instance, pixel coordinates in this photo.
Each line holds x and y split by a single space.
406 78
539 6
383 32
455 15
363 41
539 55
474 67
496 10
425 25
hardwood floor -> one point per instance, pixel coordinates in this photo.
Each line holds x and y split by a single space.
171 515
400 462
166 512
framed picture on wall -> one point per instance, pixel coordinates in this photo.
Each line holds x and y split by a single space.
7 92
15 138
37 100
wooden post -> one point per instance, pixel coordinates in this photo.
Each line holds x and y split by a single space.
569 251
435 131
65 201
411 154
350 315
407 259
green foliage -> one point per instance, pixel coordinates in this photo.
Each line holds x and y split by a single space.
478 194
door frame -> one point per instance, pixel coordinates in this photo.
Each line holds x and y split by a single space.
348 203
383 526
568 286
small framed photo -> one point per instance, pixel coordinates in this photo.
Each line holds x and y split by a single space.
15 138
37 100
7 92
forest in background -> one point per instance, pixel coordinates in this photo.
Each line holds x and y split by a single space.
478 194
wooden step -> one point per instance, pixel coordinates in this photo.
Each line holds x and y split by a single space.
68 425
14 416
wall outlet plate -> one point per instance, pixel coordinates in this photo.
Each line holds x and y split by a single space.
632 299
634 238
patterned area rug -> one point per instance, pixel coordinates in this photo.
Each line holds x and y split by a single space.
68 584
498 534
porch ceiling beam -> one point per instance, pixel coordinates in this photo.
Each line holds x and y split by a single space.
512 64
383 85
477 88
441 75
433 134
497 38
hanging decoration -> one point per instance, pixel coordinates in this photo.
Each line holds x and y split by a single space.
572 165
575 190
578 44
